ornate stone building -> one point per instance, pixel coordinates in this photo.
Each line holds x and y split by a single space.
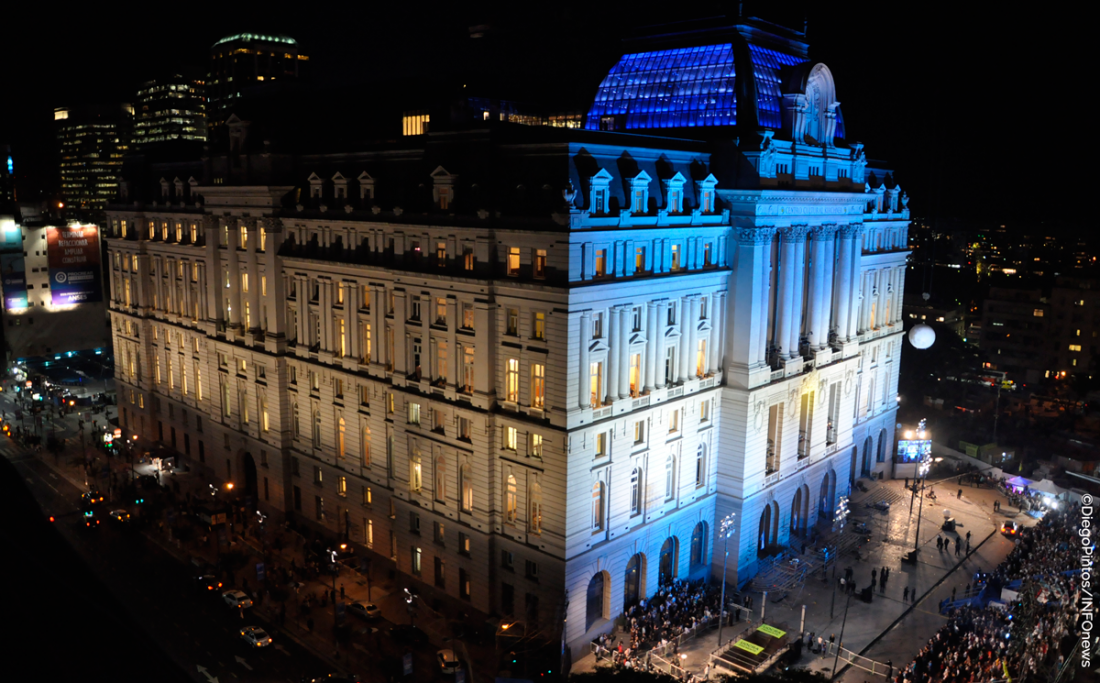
534 367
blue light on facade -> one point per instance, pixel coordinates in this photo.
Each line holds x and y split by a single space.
11 165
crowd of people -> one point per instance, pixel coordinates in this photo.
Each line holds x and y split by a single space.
656 624
1023 639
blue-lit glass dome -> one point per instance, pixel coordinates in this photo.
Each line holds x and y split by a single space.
690 87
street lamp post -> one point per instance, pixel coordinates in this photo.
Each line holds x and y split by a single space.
925 465
840 643
726 529
409 597
839 520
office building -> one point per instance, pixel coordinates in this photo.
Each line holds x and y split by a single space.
534 367
172 108
92 140
244 62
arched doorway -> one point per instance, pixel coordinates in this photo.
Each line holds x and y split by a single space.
798 520
250 490
881 446
852 474
824 498
596 603
868 445
632 590
670 552
699 545
769 529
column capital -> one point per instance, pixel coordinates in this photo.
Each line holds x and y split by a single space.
824 232
851 231
755 235
794 234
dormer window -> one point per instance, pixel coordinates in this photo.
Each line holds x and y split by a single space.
639 193
163 188
443 187
179 188
366 186
340 185
674 193
707 194
601 194
315 185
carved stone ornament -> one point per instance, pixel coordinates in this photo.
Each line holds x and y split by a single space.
323 208
397 211
299 207
348 208
569 194
482 214
376 210
758 416
792 399
821 385
795 233
852 230
755 235
849 380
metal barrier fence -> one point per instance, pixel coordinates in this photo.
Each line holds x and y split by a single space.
857 660
663 649
664 666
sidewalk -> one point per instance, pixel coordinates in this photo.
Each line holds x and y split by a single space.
889 627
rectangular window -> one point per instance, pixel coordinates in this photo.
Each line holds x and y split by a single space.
440 311
639 259
639 432
512 322
319 504
538 325
540 263
441 247
538 385
601 263
413 413
535 445
601 444
416 561
675 257
674 422
597 326
635 375
595 379
342 486
368 530
467 258
511 381
704 411
468 369
441 361
513 261
464 427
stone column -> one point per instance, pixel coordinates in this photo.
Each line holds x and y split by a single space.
626 328
233 292
653 340
817 289
713 345
843 283
749 293
692 322
797 316
686 309
857 252
584 335
783 309
828 313
611 387
351 318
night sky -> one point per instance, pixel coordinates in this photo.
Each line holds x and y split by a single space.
972 108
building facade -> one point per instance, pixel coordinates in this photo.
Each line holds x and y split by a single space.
531 367
92 140
246 61
170 109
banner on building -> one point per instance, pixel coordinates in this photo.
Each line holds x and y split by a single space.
13 272
74 264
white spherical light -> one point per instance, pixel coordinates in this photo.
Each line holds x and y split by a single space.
922 336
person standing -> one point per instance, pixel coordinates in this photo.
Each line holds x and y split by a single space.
905 594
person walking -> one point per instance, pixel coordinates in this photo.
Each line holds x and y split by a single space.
968 546
957 547
905 594
874 577
960 495
967 536
953 589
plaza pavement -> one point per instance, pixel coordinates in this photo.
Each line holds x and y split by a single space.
889 628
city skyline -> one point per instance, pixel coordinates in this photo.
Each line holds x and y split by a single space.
928 76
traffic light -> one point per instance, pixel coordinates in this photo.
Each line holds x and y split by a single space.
139 501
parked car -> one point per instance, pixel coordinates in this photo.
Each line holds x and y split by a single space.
1010 529
208 582
120 515
367 610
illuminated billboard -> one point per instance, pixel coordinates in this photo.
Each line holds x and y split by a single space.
74 264
914 451
13 272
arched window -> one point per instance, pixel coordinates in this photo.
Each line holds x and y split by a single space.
670 476
699 545
636 491
535 519
701 466
597 506
441 479
597 590
510 500
297 424
364 445
881 457
340 431
316 428
467 488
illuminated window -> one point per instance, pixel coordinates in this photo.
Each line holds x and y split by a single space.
701 359
597 506
441 247
416 474
595 380
601 263
513 322
675 257
413 413
511 500
511 382
674 421
1075 347
636 491
415 123
468 369
635 374
467 258
538 385
534 445
601 444
534 521
467 485
538 325
639 432
540 263
639 259
340 438
513 261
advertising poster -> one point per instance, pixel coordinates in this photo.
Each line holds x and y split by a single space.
914 451
14 285
74 264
